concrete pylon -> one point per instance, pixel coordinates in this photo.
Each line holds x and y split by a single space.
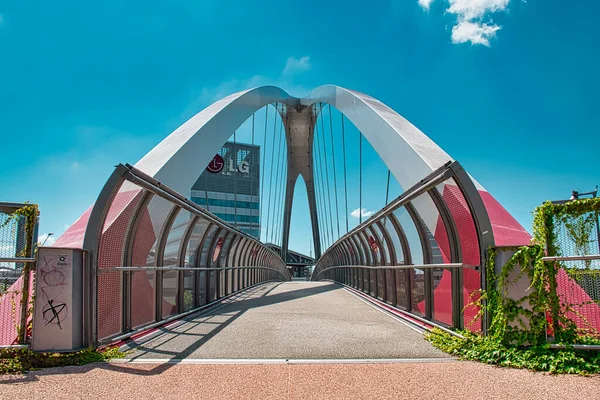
299 127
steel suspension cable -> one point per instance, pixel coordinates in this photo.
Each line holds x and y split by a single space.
271 173
276 204
387 189
319 163
345 182
284 182
251 181
337 211
235 162
360 212
316 174
327 175
387 194
262 178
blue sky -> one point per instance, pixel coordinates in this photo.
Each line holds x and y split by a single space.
507 88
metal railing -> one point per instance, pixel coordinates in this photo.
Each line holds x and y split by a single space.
156 256
422 253
574 250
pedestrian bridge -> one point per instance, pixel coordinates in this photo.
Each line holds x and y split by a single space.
144 255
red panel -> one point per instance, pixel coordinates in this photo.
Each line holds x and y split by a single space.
73 236
507 231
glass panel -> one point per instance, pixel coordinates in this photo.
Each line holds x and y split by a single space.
380 283
232 251
171 259
362 240
402 288
225 250
418 291
215 252
389 286
434 228
208 242
201 289
395 237
383 243
174 238
191 258
236 282
188 290
412 236
240 252
374 242
195 238
212 287
170 284
143 283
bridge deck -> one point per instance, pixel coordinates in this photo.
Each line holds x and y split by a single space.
292 320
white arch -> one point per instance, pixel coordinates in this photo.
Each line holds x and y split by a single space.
407 152
180 157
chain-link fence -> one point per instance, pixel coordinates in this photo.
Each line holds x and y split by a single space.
574 248
18 235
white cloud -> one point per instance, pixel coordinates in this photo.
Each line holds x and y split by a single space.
472 9
285 81
293 65
476 33
47 239
473 19
425 4
361 212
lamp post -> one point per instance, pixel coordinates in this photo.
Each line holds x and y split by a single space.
47 236
575 196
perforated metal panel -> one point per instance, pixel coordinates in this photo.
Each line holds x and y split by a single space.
111 253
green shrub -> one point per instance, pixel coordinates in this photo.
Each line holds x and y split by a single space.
535 358
15 360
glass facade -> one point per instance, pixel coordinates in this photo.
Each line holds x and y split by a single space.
230 186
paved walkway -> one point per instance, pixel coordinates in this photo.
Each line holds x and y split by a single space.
292 320
447 380
296 320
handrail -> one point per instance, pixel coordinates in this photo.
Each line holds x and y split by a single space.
18 259
572 258
421 266
111 269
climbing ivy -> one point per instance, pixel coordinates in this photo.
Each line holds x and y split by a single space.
30 213
518 327
517 321
524 321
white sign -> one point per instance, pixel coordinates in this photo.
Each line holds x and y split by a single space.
243 167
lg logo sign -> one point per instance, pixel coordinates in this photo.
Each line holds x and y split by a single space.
217 164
